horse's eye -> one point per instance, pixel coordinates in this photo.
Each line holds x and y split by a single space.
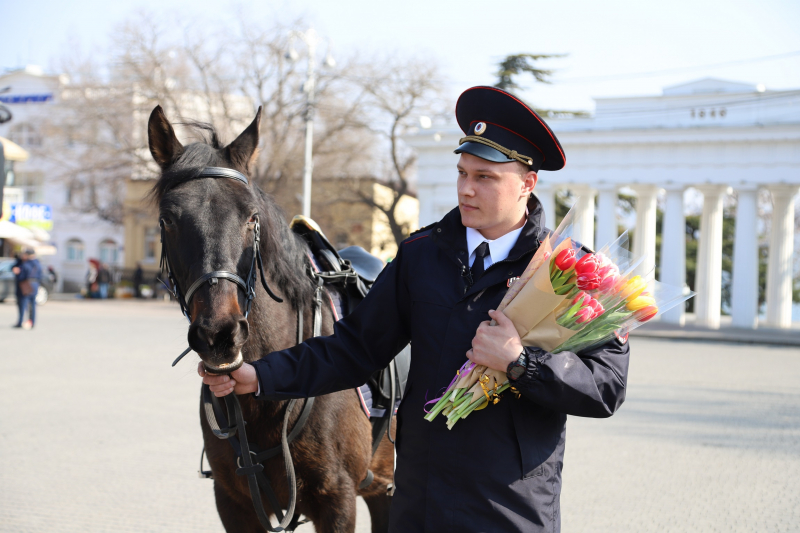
252 221
166 220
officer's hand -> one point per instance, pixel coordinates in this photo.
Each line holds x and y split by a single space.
242 380
496 346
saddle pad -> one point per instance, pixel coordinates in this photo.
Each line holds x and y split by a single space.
365 397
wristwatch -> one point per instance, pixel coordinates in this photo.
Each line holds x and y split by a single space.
517 368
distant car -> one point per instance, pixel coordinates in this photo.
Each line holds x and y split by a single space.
7 283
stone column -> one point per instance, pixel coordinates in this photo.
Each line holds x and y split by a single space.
606 214
546 193
781 248
583 211
644 238
673 248
744 285
708 282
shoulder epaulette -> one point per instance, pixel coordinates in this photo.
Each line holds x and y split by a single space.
420 230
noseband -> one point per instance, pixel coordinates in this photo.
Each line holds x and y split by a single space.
248 285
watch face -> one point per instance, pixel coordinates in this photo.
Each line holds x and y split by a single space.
516 371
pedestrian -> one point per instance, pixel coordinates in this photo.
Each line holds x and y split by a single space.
103 280
30 275
91 279
52 275
499 470
16 269
138 279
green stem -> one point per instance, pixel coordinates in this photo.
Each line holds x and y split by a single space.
443 402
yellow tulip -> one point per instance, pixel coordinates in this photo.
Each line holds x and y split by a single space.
640 302
633 288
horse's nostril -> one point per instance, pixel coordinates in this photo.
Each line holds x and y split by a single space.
232 332
204 336
240 331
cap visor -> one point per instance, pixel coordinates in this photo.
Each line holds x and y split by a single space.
484 152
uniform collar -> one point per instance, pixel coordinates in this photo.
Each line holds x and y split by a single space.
499 248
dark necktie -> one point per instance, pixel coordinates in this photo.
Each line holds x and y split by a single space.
477 267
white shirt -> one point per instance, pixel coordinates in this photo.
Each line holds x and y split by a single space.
498 248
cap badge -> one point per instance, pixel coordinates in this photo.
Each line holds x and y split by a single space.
480 128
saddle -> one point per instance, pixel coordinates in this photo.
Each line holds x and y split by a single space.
348 275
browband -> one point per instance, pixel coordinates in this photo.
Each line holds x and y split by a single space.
220 172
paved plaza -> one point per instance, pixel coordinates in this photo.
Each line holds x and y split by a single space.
99 434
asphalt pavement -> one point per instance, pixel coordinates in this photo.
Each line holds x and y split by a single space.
98 433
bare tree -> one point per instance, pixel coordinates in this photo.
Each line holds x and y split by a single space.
397 92
363 109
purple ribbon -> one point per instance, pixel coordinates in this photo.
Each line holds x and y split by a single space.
466 368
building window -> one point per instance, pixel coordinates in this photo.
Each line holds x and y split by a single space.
150 239
108 252
32 185
25 135
75 250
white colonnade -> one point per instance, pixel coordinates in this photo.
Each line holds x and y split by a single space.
744 300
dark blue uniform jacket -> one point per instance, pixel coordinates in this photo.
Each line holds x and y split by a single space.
500 469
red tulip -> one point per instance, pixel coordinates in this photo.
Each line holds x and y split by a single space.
580 298
608 270
584 314
596 306
587 264
645 313
588 282
565 259
608 283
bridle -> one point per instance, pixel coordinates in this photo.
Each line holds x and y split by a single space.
247 285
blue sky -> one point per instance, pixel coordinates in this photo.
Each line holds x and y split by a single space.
607 42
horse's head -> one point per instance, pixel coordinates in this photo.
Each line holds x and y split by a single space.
208 225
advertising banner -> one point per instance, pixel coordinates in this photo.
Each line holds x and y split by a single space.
32 216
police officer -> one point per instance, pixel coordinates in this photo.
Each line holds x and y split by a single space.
500 470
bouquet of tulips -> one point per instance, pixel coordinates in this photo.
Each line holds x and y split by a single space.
580 300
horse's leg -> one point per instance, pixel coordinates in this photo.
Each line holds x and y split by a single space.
378 505
376 497
336 511
235 517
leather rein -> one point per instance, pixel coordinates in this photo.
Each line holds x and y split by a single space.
248 459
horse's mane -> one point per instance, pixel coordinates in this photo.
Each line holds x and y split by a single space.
284 252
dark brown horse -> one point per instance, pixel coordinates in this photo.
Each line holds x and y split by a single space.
208 226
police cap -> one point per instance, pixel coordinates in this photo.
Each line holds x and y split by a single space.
500 127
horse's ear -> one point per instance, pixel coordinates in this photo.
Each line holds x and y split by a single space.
243 150
164 145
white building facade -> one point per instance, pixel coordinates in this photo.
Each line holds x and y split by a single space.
714 136
33 98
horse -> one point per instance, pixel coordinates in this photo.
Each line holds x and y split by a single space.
207 226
